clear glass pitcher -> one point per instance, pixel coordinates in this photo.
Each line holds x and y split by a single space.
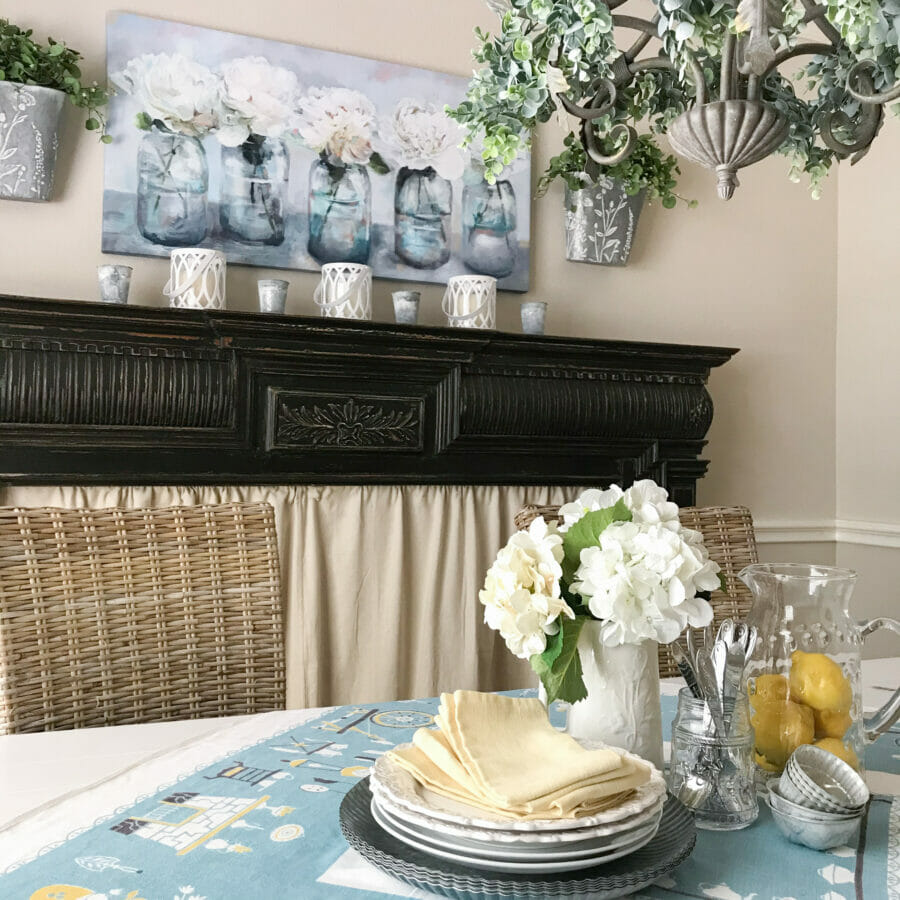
803 679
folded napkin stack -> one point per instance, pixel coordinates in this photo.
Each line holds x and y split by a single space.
501 754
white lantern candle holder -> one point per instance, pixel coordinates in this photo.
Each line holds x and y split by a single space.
196 279
345 291
470 301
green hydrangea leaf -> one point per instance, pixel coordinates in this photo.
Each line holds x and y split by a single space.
559 666
586 533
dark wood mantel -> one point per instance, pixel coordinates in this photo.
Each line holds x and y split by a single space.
99 394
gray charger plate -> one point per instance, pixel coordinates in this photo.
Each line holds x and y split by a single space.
672 844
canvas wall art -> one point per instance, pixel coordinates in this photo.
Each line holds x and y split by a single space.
289 157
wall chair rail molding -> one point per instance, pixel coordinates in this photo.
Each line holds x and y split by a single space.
841 531
101 394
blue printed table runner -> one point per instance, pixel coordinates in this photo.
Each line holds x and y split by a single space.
259 820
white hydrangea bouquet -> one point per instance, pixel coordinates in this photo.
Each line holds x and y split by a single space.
621 558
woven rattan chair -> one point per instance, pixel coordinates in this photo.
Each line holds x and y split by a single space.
728 535
116 616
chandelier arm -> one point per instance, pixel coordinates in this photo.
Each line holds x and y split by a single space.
650 28
726 72
631 54
592 146
869 94
808 49
815 13
595 109
870 119
753 83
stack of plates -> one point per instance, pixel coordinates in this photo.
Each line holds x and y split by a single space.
461 834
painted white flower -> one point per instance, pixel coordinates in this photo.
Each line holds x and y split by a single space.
420 136
521 594
170 88
339 123
259 98
642 582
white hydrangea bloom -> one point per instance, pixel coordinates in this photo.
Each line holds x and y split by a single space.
590 501
170 88
338 122
642 582
647 501
259 98
521 594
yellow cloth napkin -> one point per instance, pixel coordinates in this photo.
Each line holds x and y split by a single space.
502 754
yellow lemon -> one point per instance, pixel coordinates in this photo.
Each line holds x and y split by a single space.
770 687
831 723
781 727
819 682
840 750
763 763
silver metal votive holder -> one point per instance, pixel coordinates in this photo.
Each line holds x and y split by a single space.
272 295
114 282
534 314
406 307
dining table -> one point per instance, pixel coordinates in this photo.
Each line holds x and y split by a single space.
247 808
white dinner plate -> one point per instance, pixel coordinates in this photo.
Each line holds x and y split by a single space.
402 790
509 865
515 838
528 852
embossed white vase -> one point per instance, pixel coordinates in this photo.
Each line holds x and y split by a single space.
622 706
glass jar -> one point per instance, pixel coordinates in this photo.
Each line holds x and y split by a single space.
254 190
340 212
711 773
423 202
803 678
173 180
489 242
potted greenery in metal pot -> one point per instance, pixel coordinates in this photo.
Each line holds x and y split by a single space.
604 203
34 82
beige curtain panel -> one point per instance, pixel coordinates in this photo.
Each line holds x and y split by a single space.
380 583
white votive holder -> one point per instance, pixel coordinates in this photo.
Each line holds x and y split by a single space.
114 282
534 314
272 295
406 307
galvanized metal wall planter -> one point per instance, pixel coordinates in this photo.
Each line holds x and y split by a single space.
29 129
601 221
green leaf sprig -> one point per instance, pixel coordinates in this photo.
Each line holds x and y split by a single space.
54 65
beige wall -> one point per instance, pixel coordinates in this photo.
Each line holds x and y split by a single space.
756 273
868 380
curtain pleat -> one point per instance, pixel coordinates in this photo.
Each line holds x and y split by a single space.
380 583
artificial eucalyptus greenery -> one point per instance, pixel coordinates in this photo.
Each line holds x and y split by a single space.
24 61
545 50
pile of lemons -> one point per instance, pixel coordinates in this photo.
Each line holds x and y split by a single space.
812 706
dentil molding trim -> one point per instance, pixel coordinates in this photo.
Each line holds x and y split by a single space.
844 531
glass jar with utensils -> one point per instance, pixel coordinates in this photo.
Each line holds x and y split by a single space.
712 768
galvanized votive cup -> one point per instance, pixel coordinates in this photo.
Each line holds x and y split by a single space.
406 307
534 314
114 282
272 295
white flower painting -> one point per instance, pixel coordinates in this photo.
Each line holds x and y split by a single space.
290 157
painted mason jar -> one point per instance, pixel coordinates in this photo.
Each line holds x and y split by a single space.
423 202
173 180
340 212
254 190
489 242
